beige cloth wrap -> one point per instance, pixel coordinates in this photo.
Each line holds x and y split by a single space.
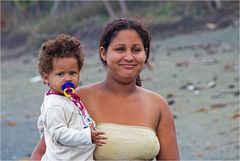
125 142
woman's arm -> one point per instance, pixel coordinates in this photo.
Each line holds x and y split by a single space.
39 150
167 135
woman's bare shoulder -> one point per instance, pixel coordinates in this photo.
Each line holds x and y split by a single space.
153 95
156 98
87 90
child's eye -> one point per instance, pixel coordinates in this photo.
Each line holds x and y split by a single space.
60 74
73 73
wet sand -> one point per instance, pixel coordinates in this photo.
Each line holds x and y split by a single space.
198 74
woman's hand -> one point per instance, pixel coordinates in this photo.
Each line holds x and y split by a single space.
39 150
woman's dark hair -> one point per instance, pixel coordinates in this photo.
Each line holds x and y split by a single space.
115 26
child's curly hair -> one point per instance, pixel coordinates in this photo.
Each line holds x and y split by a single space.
62 46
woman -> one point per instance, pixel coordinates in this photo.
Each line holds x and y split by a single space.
138 123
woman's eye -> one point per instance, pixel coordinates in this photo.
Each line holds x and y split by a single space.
119 49
137 50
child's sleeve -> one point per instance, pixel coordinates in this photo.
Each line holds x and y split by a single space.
56 123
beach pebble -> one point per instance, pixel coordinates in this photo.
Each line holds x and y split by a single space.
170 95
236 116
171 102
218 105
35 79
201 110
11 123
231 86
218 95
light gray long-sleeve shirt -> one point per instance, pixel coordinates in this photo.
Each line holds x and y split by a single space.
63 127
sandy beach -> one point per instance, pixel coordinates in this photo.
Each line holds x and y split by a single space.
197 73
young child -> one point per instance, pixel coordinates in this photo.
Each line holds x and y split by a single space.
67 127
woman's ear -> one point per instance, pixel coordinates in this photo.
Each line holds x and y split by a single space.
102 53
146 51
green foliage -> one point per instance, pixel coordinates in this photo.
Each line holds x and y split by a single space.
155 12
24 5
81 15
167 8
33 16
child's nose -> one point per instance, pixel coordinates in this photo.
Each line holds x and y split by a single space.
68 78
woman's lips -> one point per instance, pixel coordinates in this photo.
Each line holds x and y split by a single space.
128 66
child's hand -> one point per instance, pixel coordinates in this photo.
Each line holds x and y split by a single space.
97 136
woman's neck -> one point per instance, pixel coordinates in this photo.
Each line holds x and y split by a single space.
118 87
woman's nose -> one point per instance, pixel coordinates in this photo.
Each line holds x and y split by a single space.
128 57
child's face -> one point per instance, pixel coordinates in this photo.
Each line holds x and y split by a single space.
64 69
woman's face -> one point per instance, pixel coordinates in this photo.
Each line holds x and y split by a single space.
125 56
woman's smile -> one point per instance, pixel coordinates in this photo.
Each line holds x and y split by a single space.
128 66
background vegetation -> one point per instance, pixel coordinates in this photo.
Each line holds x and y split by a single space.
26 24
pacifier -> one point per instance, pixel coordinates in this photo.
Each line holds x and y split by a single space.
68 88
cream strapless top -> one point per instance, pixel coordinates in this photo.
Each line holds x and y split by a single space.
125 142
